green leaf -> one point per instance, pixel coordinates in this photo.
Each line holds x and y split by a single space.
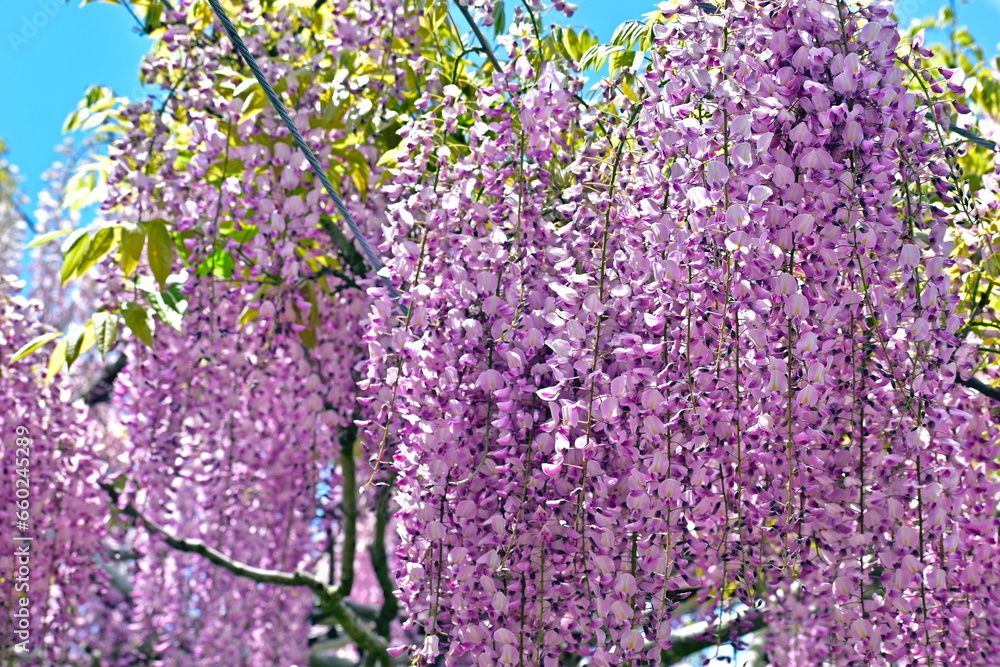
74 344
628 33
499 18
106 331
133 238
153 14
219 264
163 309
56 361
247 316
247 84
391 156
101 244
160 251
362 171
992 265
625 58
146 284
74 256
138 320
34 344
172 297
48 236
241 235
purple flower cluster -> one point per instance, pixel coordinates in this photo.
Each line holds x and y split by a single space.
686 352
50 457
687 357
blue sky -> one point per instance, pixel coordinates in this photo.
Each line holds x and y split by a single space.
51 51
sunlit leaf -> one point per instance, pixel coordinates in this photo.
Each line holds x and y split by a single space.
137 319
133 239
48 236
106 331
56 361
159 251
74 257
33 345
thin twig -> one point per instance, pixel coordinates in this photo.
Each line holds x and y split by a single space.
479 35
138 21
27 219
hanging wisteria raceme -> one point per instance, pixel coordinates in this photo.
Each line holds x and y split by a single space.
52 513
707 364
239 421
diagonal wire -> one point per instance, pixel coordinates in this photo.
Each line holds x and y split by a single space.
279 107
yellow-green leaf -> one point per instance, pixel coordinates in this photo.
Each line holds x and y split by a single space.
629 92
74 256
56 361
34 344
138 320
74 344
133 238
992 265
391 156
106 332
48 236
160 251
247 316
100 246
361 171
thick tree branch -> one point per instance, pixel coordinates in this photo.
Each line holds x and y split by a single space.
349 486
100 391
380 562
119 579
981 387
216 557
330 599
758 651
699 636
319 660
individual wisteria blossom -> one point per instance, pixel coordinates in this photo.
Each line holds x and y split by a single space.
707 362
